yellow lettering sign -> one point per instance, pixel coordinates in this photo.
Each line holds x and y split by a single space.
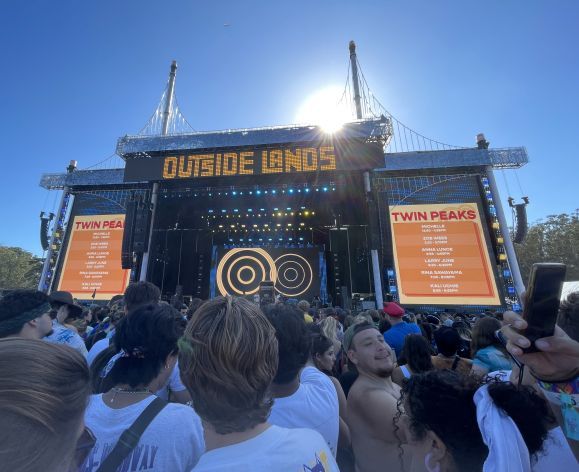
272 161
230 163
293 161
185 166
309 159
327 158
244 162
207 161
170 168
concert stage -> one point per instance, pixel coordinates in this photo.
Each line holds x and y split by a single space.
309 231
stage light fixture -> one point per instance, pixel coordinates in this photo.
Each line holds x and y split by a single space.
258 192
291 190
265 191
306 213
302 224
233 193
325 189
223 211
235 210
278 225
273 191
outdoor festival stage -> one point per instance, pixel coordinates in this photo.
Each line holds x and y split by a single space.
318 214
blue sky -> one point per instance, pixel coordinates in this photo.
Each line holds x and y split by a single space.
77 75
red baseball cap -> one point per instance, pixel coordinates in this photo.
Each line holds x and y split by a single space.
393 309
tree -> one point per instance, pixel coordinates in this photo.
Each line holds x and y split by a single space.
19 268
554 240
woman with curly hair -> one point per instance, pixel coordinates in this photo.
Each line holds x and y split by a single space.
454 422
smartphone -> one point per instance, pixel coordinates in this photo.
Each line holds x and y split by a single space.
542 305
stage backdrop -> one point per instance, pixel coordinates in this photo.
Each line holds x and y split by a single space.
295 271
441 256
93 258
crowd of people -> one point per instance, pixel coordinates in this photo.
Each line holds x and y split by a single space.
224 384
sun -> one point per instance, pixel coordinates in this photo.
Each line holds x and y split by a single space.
325 108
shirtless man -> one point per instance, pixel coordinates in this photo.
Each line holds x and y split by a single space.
372 400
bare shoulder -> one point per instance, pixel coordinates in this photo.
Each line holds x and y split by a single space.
337 385
365 396
375 408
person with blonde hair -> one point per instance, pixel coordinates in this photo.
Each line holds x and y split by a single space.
329 328
228 358
44 389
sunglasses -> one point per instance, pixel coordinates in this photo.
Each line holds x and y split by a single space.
84 445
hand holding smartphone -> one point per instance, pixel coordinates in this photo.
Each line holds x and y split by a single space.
542 304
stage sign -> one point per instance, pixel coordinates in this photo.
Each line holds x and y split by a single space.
294 271
93 258
284 159
441 256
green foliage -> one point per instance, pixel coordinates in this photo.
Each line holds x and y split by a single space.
555 239
19 268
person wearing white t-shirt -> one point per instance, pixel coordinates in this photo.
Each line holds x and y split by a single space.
307 399
147 339
228 358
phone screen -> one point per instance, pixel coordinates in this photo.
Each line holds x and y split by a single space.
542 307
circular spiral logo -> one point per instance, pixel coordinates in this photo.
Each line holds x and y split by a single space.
294 275
241 270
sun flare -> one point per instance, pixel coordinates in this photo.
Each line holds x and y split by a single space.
325 109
